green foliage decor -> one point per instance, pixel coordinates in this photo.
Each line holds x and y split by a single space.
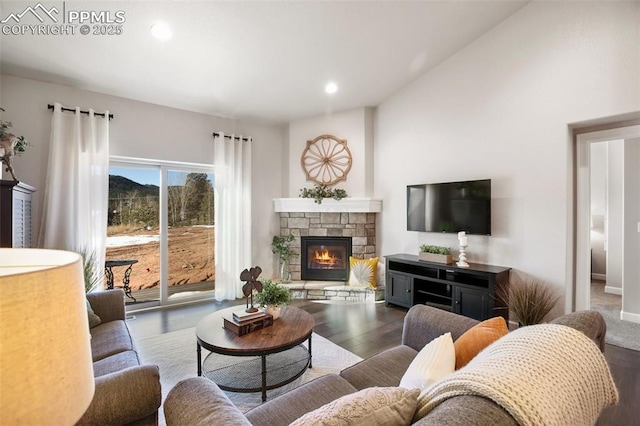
281 245
273 294
92 278
320 192
435 249
21 145
529 300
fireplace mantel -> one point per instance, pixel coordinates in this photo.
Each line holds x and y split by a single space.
328 205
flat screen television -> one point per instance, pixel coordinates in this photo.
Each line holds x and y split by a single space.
450 207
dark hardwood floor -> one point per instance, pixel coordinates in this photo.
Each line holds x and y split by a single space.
367 328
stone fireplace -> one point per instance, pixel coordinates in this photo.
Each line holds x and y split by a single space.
351 219
325 258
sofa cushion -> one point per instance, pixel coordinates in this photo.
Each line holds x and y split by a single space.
464 410
110 338
591 323
383 369
294 404
93 318
433 362
540 374
114 363
424 323
371 406
124 397
199 401
477 338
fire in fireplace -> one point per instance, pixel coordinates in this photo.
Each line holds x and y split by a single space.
325 258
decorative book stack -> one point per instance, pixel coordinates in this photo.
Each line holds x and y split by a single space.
243 322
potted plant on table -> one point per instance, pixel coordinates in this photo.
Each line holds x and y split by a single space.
437 254
273 296
281 245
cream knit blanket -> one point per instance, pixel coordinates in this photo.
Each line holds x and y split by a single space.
545 374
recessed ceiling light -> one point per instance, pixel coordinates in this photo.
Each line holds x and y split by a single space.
161 31
331 88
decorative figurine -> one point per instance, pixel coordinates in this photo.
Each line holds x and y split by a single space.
251 278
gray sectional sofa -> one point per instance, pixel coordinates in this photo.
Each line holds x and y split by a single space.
198 401
126 392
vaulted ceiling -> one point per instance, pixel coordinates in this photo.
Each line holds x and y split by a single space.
268 60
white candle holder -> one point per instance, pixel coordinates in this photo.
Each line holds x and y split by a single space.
462 258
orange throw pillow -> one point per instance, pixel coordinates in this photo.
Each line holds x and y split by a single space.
477 338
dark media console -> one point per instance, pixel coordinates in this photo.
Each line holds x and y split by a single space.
472 291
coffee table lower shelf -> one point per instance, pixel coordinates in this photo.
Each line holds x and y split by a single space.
244 373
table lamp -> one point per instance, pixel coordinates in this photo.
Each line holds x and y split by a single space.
46 371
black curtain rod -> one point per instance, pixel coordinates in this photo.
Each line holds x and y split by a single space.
216 134
99 114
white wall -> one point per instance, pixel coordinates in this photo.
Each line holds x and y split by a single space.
356 127
615 215
500 109
148 131
631 278
598 209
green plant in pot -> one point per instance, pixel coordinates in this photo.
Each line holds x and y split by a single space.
273 296
530 300
438 254
281 245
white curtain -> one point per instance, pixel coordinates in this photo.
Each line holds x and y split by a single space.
75 206
232 168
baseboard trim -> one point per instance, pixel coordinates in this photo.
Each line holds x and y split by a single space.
613 290
628 316
599 277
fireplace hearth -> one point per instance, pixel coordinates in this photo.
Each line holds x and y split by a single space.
325 258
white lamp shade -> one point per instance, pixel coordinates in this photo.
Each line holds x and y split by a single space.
46 371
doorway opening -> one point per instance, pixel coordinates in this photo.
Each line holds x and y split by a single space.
607 211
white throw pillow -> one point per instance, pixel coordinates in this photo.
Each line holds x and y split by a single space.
436 360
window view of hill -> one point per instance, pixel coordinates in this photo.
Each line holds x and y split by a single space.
121 185
133 232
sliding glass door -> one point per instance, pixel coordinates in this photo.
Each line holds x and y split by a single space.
161 225
190 233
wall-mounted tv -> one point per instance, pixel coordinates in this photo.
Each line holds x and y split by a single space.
450 207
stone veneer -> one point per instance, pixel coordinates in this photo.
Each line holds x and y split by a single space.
360 226
325 290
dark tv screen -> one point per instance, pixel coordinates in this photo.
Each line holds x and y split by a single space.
450 207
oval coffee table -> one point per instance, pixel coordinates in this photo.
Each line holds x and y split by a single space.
259 361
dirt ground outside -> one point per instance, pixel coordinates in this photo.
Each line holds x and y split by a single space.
191 256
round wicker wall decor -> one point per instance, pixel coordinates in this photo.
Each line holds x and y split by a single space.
326 160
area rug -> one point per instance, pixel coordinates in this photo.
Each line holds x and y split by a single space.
175 354
619 333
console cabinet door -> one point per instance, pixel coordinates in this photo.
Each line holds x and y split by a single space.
399 290
471 303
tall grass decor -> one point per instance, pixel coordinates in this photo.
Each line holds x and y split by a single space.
92 278
530 300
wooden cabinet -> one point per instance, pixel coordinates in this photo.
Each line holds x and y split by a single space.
472 291
15 214
398 289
